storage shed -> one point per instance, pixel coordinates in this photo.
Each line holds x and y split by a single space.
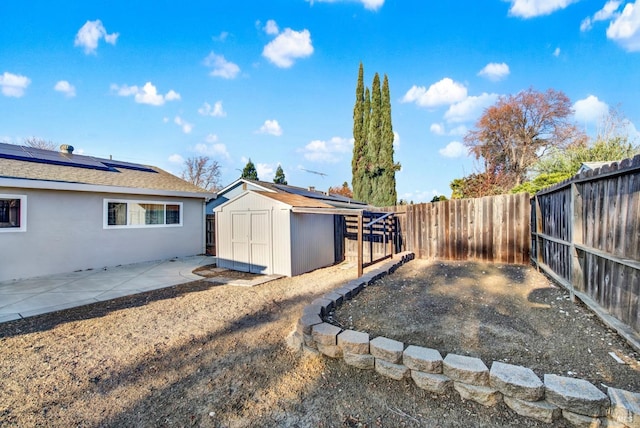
261 232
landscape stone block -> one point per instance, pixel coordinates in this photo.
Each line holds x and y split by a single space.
313 310
306 322
516 381
480 394
354 342
576 395
355 288
625 407
386 349
391 370
345 292
336 298
465 369
361 361
422 359
540 410
310 351
325 334
432 382
332 351
582 421
327 305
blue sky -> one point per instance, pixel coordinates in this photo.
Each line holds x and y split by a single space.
156 82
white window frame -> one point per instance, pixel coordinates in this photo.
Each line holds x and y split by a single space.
23 214
105 213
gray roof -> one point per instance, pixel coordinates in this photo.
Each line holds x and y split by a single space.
26 163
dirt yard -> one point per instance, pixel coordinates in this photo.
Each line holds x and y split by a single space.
210 355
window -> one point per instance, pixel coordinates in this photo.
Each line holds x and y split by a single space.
121 213
13 213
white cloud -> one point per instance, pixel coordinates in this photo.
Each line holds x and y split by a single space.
66 88
625 28
494 71
186 126
368 4
265 171
288 46
221 37
211 138
470 108
437 128
606 13
221 67
454 149
13 85
444 92
176 158
90 34
215 111
271 127
590 110
216 150
331 151
396 140
271 27
533 8
556 52
148 94
458 130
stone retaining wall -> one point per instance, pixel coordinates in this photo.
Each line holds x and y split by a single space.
576 400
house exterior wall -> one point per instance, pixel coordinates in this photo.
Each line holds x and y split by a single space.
312 242
65 232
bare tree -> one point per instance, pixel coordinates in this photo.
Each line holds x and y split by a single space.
40 143
203 172
511 135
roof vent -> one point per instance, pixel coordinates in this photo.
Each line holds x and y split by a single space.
66 148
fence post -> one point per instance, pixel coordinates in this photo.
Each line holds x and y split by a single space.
577 278
360 261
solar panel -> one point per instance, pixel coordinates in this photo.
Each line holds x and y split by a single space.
32 154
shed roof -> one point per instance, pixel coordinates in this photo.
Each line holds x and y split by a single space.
28 164
334 200
294 200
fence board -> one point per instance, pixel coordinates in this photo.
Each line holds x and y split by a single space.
590 237
494 229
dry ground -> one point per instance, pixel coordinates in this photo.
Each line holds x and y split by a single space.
210 355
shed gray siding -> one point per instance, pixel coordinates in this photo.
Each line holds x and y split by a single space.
312 239
65 233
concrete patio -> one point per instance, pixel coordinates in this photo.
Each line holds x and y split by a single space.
35 296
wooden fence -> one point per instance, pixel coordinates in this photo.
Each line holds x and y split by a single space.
492 229
585 233
210 234
368 237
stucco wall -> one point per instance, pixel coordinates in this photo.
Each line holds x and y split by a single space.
65 233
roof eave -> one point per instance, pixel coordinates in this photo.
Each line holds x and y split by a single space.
95 188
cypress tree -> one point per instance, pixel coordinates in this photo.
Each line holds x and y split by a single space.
249 172
279 177
374 141
372 165
359 137
365 179
387 189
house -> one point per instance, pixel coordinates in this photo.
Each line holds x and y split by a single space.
61 212
277 229
587 166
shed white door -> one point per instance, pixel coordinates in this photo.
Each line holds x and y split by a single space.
251 241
